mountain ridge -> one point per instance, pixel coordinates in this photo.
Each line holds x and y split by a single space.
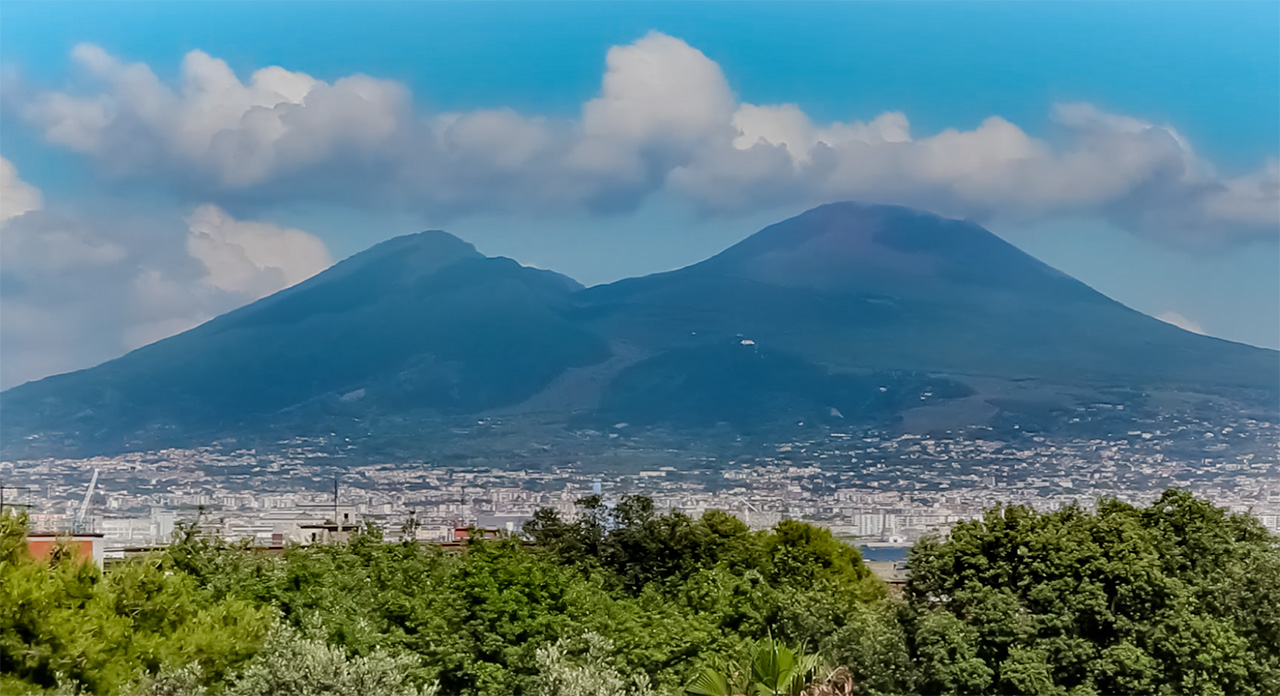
848 308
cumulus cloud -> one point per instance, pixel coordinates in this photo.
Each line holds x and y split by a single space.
1141 175
655 91
252 259
1181 322
235 134
665 121
16 196
78 288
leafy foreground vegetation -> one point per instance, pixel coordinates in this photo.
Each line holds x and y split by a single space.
1175 598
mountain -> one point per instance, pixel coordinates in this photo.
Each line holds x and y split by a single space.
856 287
893 294
848 312
421 321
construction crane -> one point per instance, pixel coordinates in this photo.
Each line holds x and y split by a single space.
83 515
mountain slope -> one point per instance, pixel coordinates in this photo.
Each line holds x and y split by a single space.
422 321
881 287
855 313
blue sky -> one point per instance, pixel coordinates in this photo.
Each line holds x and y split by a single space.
1184 98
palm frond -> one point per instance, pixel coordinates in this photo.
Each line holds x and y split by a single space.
709 682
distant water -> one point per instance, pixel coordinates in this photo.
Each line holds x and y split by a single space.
890 553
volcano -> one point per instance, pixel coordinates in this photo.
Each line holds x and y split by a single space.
856 312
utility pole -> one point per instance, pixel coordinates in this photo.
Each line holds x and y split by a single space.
335 504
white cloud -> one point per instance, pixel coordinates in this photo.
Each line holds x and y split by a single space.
659 89
665 120
35 241
1181 322
1247 200
80 288
16 196
790 127
253 259
1147 177
235 133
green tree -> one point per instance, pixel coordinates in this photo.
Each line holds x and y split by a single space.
66 624
870 642
1179 597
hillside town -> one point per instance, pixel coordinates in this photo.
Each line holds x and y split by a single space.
874 487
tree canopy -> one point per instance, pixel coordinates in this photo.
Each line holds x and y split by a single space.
1174 598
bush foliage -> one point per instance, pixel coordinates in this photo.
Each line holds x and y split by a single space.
1175 598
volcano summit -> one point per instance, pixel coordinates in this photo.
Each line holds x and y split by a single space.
848 313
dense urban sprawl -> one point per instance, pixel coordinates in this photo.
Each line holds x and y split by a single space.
873 485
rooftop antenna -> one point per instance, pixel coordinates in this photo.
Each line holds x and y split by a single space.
335 504
83 513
